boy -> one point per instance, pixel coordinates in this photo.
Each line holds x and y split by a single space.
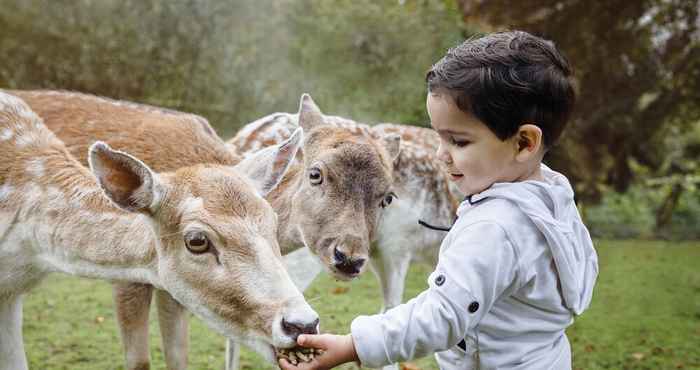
518 264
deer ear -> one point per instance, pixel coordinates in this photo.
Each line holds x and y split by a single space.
392 143
267 167
310 115
125 180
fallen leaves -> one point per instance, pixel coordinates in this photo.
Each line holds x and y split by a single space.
409 366
340 290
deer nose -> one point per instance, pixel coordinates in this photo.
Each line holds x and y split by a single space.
295 329
346 264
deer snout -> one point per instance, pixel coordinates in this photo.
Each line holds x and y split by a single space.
295 329
346 264
299 318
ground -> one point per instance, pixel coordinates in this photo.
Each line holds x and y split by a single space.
645 315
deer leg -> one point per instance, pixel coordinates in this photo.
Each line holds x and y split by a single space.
174 330
12 355
133 303
233 355
390 270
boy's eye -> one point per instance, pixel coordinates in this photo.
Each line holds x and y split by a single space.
459 143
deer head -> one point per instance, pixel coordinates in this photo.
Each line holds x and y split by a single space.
216 249
344 182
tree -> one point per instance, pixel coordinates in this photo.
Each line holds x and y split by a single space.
638 68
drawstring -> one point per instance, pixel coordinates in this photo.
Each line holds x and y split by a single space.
429 226
443 228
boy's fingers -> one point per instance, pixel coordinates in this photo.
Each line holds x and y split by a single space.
314 341
286 365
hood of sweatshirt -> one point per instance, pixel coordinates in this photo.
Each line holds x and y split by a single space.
551 207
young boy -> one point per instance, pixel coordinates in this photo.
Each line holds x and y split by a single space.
518 264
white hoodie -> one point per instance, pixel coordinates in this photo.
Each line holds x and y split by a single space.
515 268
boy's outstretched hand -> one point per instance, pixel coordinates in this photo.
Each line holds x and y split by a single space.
338 349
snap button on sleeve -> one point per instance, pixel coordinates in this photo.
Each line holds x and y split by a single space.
473 307
439 280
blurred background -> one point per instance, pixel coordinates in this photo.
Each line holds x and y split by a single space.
632 149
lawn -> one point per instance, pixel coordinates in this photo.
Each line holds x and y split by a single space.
645 315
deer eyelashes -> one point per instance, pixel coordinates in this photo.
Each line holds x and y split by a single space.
315 176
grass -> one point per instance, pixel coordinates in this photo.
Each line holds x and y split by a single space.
645 315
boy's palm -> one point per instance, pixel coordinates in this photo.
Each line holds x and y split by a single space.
338 349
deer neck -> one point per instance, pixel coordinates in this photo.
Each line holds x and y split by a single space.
77 230
282 201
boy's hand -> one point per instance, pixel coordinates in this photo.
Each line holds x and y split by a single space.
338 349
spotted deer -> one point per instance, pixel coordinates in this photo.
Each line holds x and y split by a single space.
329 201
415 224
202 233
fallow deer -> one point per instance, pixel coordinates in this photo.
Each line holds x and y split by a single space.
329 201
423 194
202 233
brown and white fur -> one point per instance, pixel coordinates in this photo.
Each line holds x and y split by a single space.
202 233
335 218
420 183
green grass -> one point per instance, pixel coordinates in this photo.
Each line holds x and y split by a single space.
645 315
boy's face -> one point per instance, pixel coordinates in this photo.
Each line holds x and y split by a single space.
475 157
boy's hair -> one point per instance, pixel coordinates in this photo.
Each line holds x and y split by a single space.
508 79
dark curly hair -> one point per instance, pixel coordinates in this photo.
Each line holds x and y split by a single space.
508 79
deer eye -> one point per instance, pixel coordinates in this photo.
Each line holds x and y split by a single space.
387 200
197 242
315 176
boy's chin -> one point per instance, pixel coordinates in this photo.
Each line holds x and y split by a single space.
467 190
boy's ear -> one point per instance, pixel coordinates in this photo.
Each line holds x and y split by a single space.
529 141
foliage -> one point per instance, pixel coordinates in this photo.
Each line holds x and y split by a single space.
645 314
373 54
638 67
619 216
232 61
633 214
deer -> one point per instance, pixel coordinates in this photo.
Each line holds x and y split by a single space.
423 210
329 202
202 233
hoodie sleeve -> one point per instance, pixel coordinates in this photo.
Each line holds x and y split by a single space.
477 264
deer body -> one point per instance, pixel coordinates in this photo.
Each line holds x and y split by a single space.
422 189
313 205
121 221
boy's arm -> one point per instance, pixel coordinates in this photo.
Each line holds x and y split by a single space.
477 265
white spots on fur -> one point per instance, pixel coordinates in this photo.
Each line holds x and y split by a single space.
6 134
191 204
8 101
56 198
128 104
35 167
6 191
32 193
26 139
